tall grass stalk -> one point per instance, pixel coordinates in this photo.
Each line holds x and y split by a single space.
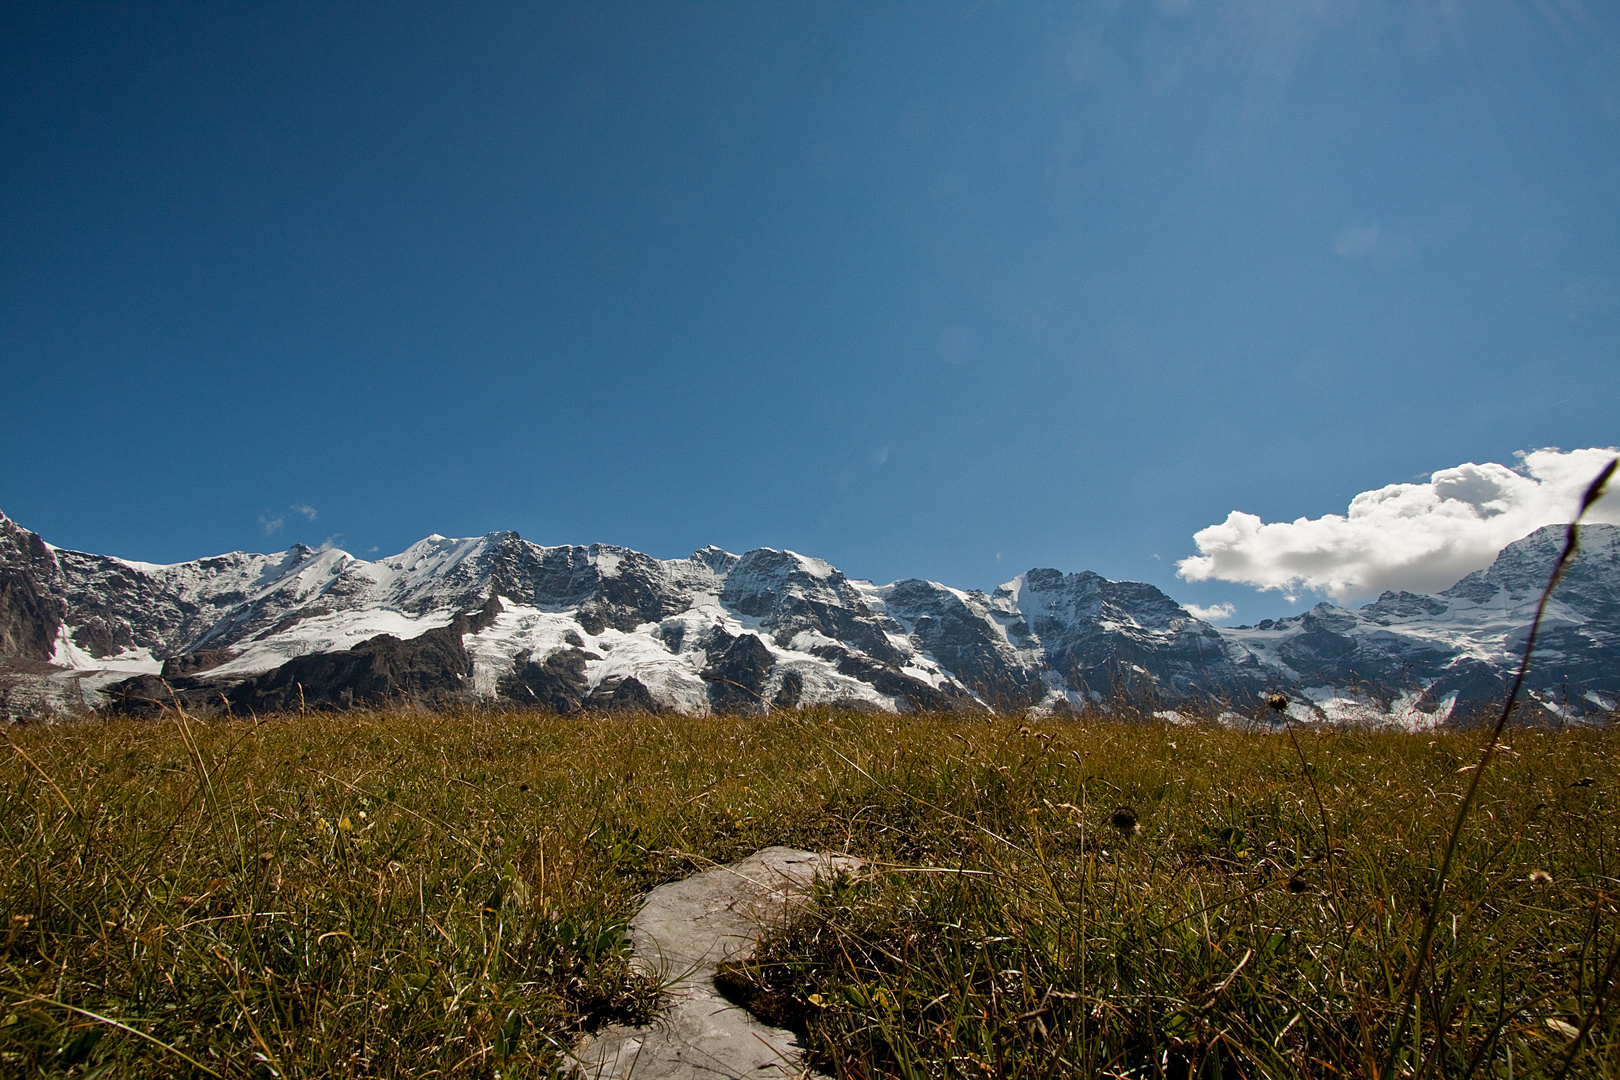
1420 962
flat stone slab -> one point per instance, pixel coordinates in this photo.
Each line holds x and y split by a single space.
683 933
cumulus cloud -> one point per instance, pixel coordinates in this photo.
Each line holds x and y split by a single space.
1213 613
1355 241
1420 537
1373 242
273 525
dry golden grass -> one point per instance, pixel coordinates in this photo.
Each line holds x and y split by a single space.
392 894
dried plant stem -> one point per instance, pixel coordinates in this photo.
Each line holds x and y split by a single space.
1420 961
1321 809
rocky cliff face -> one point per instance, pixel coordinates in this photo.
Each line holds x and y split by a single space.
1122 637
31 605
581 628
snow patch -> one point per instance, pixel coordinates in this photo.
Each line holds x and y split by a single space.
122 665
816 568
328 633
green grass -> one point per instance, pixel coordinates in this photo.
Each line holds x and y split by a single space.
410 894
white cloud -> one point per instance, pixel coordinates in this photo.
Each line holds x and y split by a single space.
1420 537
1213 613
1357 240
273 525
1373 242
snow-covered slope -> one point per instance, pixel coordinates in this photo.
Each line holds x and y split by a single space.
570 628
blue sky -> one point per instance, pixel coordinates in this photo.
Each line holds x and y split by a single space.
945 290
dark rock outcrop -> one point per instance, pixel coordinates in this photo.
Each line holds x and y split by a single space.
738 670
31 607
626 695
431 669
789 691
151 696
192 662
556 684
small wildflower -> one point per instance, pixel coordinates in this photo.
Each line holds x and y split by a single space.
1540 877
1277 702
345 825
816 999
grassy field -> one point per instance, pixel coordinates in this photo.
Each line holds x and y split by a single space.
408 894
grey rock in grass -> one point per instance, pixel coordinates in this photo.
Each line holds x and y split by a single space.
684 931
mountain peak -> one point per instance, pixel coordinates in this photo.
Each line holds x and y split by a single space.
717 559
1521 569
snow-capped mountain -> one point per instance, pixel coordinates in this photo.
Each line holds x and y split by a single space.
1425 652
571 628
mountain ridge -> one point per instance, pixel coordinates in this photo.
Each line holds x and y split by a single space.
599 626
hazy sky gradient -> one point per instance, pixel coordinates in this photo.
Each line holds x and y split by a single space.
938 290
